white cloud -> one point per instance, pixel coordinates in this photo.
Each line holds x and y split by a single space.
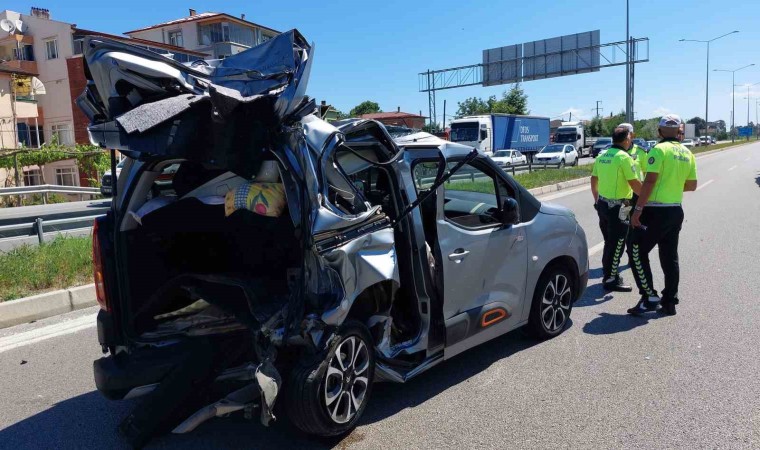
661 111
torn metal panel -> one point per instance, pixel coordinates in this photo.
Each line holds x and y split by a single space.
361 263
143 103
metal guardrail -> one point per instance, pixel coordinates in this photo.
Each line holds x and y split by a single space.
473 175
45 189
39 224
530 166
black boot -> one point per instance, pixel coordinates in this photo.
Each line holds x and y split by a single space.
616 284
668 306
646 304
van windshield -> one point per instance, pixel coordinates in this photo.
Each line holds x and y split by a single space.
464 132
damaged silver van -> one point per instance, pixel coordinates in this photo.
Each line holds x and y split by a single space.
261 260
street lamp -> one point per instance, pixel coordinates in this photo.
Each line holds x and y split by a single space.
707 71
733 100
747 97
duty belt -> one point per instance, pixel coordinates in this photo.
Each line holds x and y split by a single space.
613 202
660 205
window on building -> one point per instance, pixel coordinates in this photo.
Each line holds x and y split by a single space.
175 38
66 176
78 46
51 48
225 32
62 132
32 177
265 37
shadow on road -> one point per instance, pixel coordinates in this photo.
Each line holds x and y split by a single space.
90 421
595 293
757 180
608 323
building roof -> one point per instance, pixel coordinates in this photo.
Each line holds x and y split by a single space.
391 115
128 39
200 16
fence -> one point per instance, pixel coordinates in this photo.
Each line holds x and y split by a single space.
467 173
39 224
46 189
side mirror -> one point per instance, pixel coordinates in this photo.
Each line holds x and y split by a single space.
483 135
510 212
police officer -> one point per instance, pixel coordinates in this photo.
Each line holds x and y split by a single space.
657 218
613 183
637 153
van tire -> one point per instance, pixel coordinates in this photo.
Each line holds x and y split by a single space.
306 393
543 300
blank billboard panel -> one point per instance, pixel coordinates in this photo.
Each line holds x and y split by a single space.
565 55
502 65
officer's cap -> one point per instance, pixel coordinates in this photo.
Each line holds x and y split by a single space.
627 126
670 121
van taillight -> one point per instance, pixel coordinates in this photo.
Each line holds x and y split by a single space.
97 268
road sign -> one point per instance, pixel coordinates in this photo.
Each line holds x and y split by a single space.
745 131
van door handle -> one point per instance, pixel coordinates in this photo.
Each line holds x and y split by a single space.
458 255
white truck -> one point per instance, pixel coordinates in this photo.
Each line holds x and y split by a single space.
573 133
689 131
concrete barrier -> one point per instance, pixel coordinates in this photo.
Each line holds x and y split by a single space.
41 306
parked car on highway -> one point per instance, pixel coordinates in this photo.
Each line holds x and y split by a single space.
504 158
295 260
601 144
688 143
705 140
562 154
106 186
641 143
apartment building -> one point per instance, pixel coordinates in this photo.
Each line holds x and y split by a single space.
217 35
40 47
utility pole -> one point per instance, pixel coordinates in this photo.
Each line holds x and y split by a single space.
627 63
598 108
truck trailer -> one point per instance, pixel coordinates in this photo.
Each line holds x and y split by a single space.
493 132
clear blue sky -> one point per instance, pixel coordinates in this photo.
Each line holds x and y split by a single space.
374 50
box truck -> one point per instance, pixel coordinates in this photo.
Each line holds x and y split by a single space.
493 132
575 134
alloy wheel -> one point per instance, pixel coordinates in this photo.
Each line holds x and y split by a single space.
346 382
555 303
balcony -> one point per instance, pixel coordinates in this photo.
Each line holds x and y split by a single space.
26 67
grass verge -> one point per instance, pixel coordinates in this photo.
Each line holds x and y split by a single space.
537 178
697 150
545 177
59 264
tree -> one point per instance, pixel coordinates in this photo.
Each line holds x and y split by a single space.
432 128
513 102
699 123
595 127
472 107
365 107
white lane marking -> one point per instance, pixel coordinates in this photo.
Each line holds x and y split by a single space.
564 193
706 183
732 168
595 249
48 332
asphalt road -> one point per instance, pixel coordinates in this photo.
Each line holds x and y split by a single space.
610 381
